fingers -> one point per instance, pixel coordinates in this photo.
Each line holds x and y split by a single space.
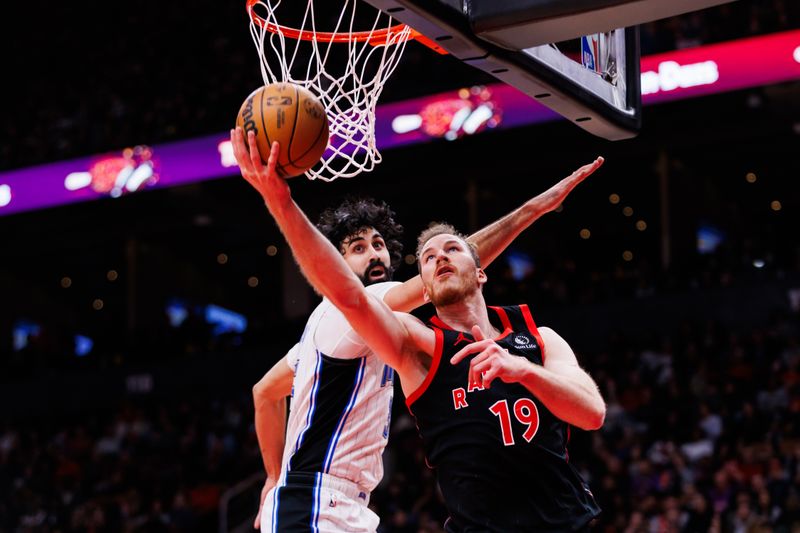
597 163
582 173
572 181
468 350
488 377
251 164
589 169
255 155
486 370
488 365
239 148
481 366
242 156
273 157
264 491
479 361
463 352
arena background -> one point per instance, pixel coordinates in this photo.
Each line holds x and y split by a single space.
685 311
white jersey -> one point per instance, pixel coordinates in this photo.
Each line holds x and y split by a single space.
341 401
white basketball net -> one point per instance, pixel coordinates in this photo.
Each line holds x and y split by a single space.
347 77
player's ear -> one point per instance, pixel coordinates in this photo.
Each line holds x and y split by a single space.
482 277
425 297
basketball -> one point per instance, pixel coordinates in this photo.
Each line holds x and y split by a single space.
294 117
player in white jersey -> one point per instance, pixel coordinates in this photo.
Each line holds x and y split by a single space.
346 395
336 432
341 391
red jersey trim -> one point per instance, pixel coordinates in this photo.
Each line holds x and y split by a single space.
506 332
503 316
526 314
436 321
437 357
439 323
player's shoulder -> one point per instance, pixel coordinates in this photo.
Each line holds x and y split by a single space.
544 330
380 289
325 310
411 321
420 335
550 337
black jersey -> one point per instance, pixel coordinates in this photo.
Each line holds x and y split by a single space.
500 455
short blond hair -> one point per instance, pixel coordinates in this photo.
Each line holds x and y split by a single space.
441 228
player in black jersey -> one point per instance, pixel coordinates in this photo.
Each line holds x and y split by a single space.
494 419
495 409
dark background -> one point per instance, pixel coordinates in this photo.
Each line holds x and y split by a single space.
149 429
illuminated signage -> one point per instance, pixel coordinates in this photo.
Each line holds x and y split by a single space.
675 75
672 75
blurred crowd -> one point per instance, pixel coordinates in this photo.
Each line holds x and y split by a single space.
702 434
144 467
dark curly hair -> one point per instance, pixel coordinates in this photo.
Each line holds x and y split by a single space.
354 215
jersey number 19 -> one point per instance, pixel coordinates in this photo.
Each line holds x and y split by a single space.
524 410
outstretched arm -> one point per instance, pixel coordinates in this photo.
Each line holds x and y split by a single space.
561 384
494 238
321 263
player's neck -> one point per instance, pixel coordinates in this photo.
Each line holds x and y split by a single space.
469 312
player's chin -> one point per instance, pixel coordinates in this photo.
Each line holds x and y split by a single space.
444 296
447 284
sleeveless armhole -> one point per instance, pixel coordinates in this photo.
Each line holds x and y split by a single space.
437 357
292 357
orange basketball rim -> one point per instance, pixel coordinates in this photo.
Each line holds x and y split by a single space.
375 37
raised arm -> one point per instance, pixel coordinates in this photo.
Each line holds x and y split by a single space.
321 263
492 240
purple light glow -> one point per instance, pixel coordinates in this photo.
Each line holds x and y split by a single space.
665 77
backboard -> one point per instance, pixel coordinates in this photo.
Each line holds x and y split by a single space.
580 58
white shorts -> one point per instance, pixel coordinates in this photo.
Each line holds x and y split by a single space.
317 503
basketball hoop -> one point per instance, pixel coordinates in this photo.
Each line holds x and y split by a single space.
345 69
